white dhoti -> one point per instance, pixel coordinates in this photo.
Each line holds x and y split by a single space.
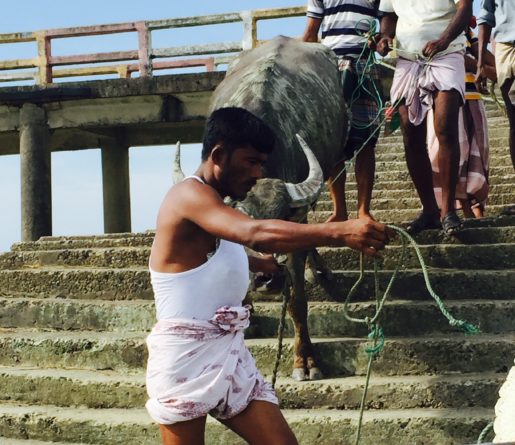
504 424
199 367
417 82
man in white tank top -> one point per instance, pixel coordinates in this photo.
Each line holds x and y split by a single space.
198 363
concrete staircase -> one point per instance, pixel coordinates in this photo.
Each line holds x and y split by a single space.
74 313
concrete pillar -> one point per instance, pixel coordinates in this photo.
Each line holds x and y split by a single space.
36 180
116 187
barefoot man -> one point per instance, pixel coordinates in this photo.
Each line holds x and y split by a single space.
430 73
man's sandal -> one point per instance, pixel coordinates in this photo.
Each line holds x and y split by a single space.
424 221
451 223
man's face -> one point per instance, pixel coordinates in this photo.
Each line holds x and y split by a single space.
240 170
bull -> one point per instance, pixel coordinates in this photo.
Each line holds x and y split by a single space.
295 88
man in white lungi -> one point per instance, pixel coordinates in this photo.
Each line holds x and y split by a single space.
429 74
198 363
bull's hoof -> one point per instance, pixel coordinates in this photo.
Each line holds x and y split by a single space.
315 374
299 375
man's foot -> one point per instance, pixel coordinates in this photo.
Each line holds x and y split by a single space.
451 223
337 218
508 211
424 221
366 217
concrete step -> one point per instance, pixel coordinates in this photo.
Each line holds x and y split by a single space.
397 141
104 389
478 256
58 282
449 284
134 283
403 193
393 215
485 256
145 239
397 160
7 441
340 356
408 202
400 317
321 427
504 174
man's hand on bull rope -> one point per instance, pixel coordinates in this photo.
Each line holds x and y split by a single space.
434 47
367 236
383 45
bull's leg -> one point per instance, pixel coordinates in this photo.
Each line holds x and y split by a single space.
304 363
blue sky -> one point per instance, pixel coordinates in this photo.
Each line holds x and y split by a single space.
76 176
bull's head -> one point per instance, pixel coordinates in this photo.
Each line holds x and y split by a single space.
273 198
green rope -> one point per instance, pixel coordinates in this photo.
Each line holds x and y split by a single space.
482 435
286 295
376 332
468 328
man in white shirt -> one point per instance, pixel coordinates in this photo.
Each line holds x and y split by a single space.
344 24
429 74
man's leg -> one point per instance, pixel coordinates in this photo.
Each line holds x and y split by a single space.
336 185
510 109
419 166
262 423
365 171
190 432
446 111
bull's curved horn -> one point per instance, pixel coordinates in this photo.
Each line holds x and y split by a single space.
177 173
307 192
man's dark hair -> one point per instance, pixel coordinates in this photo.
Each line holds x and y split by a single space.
236 127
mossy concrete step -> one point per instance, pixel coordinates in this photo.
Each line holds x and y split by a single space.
399 318
320 427
339 356
351 192
35 253
58 282
397 160
478 256
397 141
498 175
7 441
495 185
134 283
410 202
449 284
103 389
485 256
392 215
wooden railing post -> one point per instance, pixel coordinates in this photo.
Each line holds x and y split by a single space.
145 49
44 56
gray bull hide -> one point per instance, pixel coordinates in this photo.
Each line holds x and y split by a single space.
295 88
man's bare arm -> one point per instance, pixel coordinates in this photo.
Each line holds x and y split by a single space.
485 31
203 206
457 26
388 28
311 31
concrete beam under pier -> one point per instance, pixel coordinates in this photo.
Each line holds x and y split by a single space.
150 111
